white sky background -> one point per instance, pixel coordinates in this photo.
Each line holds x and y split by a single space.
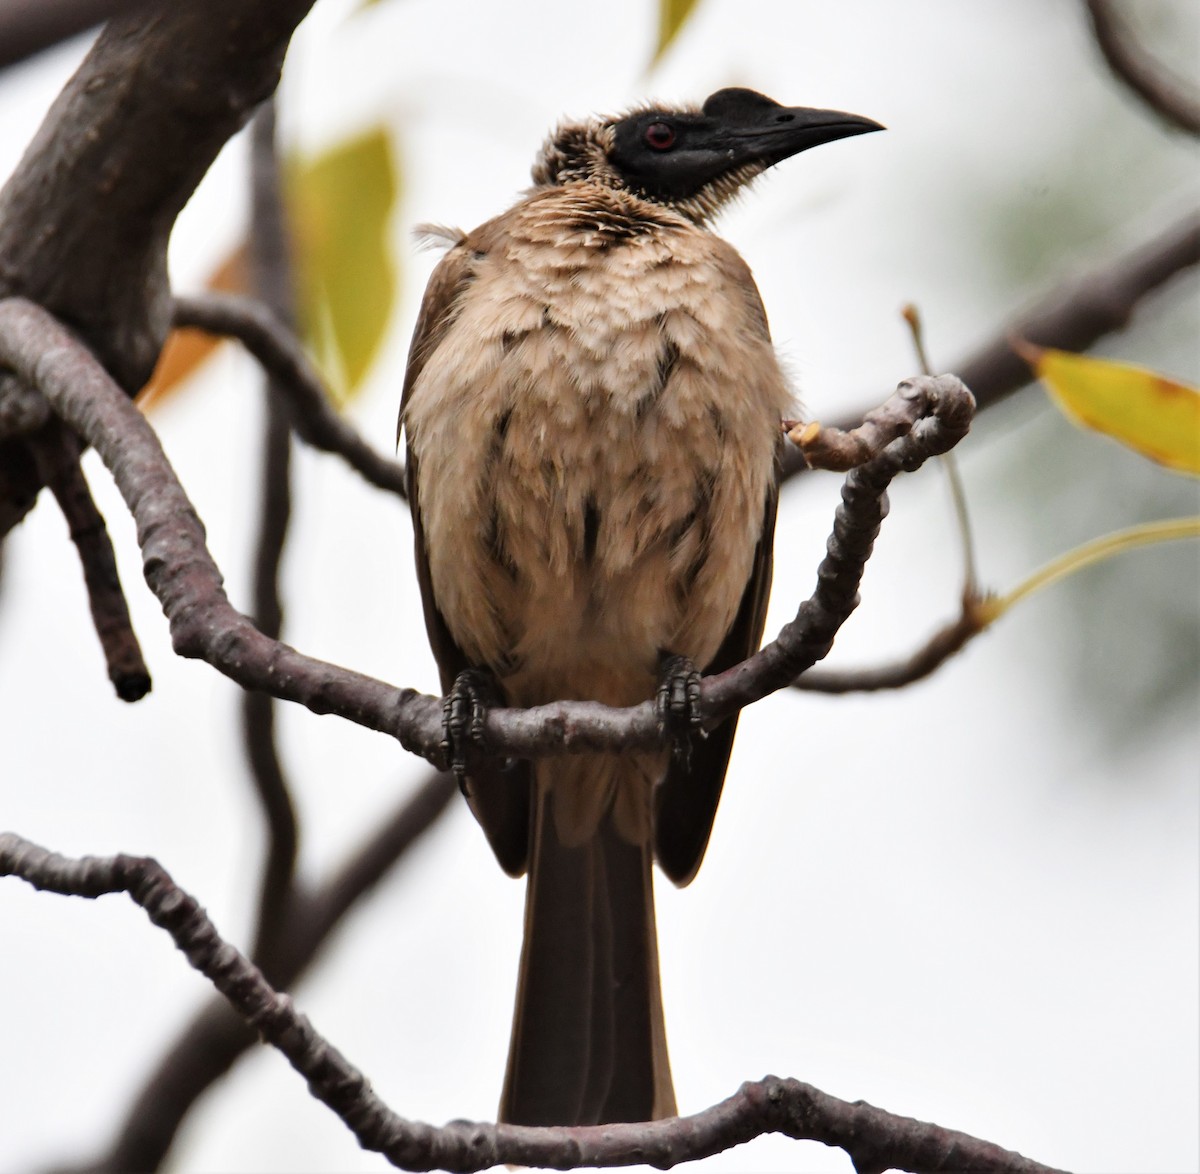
973 902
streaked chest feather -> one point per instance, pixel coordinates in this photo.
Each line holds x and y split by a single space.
596 435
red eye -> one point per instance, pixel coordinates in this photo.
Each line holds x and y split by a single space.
660 136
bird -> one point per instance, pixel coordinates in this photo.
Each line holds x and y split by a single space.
591 410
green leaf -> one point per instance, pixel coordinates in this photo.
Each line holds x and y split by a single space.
672 16
341 204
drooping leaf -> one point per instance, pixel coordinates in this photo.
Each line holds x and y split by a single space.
672 16
341 204
1150 413
992 608
186 350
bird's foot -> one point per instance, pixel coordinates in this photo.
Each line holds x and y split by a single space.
678 703
464 711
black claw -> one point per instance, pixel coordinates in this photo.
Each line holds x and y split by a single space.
679 705
464 711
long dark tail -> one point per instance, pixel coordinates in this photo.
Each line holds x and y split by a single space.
589 1044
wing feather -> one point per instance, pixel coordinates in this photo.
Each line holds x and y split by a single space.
499 795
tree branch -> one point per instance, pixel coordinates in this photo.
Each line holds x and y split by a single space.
58 462
181 572
271 269
946 642
1073 316
1166 95
279 352
940 409
215 1038
875 1140
30 26
178 567
84 222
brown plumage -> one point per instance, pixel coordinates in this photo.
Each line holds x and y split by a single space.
592 411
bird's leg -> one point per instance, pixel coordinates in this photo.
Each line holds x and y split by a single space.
464 711
678 702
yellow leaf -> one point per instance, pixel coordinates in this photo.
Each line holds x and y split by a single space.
672 15
186 350
341 204
1153 415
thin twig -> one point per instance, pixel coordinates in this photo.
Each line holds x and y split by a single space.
271 269
875 1140
1166 95
58 455
958 493
939 648
279 353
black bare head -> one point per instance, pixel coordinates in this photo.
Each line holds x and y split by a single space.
690 159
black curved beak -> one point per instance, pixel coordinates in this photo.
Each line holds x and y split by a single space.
752 126
788 130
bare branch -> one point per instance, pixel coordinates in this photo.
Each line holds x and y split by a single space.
213 1041
1072 317
178 567
325 908
875 1140
943 408
939 648
30 26
170 84
839 450
59 465
181 572
279 353
1166 96
22 411
84 222
272 275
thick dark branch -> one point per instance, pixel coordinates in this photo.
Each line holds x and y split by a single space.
60 467
181 572
84 221
1167 96
272 275
280 354
1071 317
210 1045
875 1140
29 26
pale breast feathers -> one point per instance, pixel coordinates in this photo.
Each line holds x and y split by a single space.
568 346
